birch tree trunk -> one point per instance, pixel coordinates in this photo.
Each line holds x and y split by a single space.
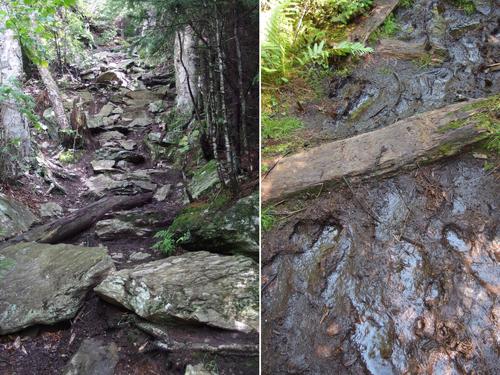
13 124
185 70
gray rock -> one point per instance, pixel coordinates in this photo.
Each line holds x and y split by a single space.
117 154
100 166
157 106
50 209
198 287
46 284
106 110
154 137
117 111
204 180
126 184
128 144
162 193
111 136
93 358
111 229
231 231
139 256
14 217
141 122
198 369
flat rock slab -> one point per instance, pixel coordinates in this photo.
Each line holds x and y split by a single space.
421 138
46 284
111 229
121 184
93 358
14 217
198 287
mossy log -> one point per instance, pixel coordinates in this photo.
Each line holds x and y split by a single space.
369 23
422 138
78 221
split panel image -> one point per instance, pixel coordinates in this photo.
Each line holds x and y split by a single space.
129 175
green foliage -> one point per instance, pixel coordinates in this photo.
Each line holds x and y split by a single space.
390 26
166 243
406 3
13 93
68 157
267 220
467 6
301 35
34 22
279 128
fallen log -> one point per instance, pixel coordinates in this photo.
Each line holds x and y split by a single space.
371 22
78 221
422 138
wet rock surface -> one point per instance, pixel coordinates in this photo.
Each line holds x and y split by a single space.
407 281
45 284
439 56
195 287
399 275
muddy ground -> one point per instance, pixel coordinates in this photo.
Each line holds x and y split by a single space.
397 275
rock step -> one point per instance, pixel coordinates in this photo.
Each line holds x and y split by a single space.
199 287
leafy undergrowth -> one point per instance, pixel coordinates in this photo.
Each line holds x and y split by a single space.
304 43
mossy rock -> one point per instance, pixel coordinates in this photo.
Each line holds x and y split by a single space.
228 231
204 180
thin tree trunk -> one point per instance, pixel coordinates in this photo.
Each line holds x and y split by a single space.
54 97
241 90
224 114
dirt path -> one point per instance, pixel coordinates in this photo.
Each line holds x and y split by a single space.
125 117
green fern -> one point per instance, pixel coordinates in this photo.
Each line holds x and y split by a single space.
351 48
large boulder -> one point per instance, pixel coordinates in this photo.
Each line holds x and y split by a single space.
198 287
46 284
93 358
231 231
14 218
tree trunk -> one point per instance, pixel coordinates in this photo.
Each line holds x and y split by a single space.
421 138
185 70
54 97
13 125
371 22
75 223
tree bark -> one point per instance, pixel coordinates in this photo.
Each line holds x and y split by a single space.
54 97
14 127
371 22
75 223
422 138
185 70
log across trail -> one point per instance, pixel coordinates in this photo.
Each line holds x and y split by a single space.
369 23
80 220
425 137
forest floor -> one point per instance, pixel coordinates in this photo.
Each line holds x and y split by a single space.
395 275
123 117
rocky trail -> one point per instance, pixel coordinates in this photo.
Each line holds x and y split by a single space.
99 214
398 274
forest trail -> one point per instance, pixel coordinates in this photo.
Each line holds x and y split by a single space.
125 100
397 273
